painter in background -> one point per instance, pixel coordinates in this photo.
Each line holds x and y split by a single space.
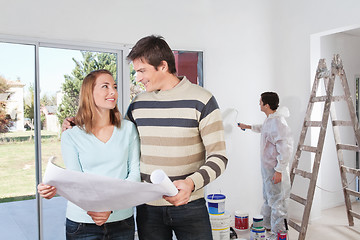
276 148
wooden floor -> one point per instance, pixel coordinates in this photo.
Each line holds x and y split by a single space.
333 225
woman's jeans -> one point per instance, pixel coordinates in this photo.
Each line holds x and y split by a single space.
120 230
189 222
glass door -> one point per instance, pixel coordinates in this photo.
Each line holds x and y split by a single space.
17 147
22 130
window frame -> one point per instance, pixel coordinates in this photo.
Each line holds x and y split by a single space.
123 79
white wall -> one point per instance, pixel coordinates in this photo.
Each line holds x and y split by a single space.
297 55
234 35
348 46
249 47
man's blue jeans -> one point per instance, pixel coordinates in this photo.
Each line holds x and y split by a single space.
189 222
121 230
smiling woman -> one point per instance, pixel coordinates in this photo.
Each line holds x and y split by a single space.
103 144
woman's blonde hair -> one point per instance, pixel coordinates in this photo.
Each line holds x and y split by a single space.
87 108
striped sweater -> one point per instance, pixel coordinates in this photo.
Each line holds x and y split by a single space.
181 132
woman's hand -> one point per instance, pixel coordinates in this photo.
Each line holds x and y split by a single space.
46 191
99 217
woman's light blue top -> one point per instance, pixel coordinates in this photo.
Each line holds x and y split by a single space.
117 158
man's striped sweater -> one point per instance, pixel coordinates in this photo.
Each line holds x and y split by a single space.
181 132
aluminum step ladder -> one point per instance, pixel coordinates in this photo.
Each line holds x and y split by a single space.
329 77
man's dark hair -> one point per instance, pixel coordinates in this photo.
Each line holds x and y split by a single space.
270 98
153 49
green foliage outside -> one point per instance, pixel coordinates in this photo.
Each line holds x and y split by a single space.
48 100
71 87
17 168
135 87
4 121
29 105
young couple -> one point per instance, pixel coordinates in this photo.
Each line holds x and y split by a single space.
181 132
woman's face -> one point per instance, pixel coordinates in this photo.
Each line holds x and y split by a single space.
105 92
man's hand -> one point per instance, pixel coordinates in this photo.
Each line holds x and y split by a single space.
46 191
243 126
277 177
67 123
185 188
99 217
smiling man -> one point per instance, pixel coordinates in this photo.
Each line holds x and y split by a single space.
181 132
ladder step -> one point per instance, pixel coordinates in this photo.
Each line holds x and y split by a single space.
347 147
318 99
308 148
302 173
298 199
338 98
352 192
334 123
342 123
354 214
313 123
351 170
323 98
294 225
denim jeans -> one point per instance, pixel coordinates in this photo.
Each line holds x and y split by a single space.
189 222
120 230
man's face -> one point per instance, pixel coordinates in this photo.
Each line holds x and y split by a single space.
148 75
262 106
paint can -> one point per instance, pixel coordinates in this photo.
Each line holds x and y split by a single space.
258 221
241 220
220 226
216 203
282 235
257 233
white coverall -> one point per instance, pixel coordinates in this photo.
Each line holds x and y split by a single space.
276 149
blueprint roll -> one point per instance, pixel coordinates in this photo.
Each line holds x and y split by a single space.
159 177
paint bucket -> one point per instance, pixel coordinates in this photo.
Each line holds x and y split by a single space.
220 226
282 235
258 221
241 220
257 233
216 203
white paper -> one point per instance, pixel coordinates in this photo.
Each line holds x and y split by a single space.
159 177
100 193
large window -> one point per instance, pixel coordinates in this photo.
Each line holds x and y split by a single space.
17 147
39 87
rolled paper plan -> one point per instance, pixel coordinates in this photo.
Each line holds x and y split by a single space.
159 177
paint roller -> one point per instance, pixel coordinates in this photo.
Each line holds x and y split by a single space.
228 112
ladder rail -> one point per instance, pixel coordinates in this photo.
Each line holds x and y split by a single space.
321 72
317 159
340 156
